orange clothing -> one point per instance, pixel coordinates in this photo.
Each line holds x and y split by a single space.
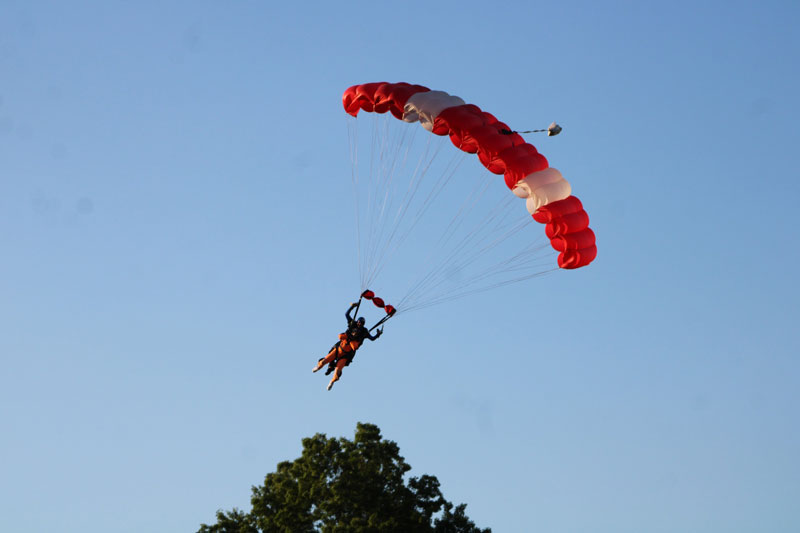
348 345
345 350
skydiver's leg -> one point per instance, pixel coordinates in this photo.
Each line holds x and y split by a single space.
340 364
327 359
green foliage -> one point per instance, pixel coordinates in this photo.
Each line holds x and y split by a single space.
344 486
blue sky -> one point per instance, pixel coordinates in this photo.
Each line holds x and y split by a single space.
178 250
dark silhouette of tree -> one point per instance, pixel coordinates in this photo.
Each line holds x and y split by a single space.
344 486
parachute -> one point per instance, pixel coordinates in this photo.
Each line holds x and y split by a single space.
548 196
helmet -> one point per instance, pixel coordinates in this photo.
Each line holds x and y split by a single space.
361 321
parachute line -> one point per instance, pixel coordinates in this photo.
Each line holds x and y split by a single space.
472 249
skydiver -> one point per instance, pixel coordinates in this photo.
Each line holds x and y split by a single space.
343 352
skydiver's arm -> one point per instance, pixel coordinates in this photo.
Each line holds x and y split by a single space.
347 314
374 337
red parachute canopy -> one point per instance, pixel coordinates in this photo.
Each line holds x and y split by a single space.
526 172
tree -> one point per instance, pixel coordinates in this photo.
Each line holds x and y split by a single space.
343 486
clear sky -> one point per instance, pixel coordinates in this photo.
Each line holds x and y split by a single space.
177 250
